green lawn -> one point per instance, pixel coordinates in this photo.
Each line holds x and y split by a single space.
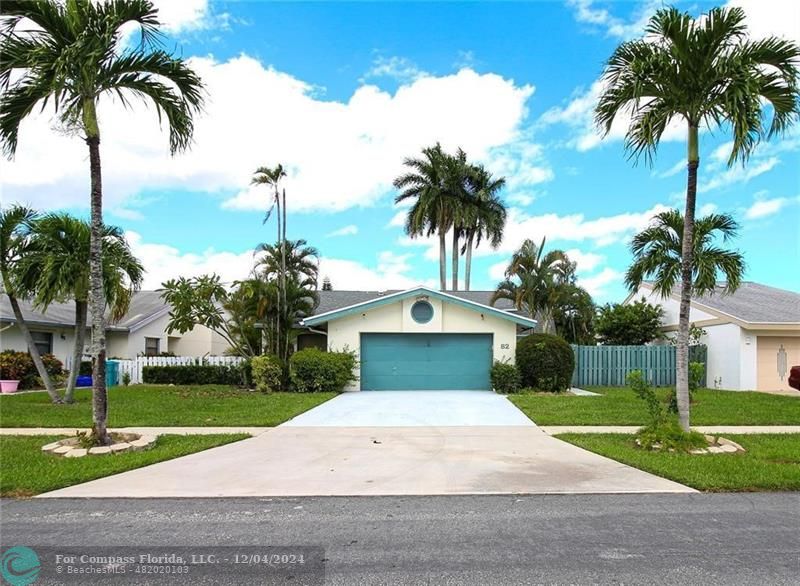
206 405
771 462
26 471
621 407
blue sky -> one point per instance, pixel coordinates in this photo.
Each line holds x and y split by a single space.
340 93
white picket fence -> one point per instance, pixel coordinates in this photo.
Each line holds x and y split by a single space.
134 367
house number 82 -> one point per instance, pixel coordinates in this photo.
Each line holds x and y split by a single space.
504 346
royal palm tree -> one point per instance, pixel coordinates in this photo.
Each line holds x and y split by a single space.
484 217
534 281
432 208
56 268
658 248
69 55
457 174
702 72
15 223
271 177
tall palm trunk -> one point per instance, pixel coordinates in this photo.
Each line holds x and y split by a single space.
277 340
442 261
455 258
96 296
468 260
286 324
32 349
682 349
77 350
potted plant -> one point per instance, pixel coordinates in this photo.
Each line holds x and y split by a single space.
9 374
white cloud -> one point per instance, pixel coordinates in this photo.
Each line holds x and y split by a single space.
390 273
522 199
586 12
779 17
348 230
596 284
765 207
586 261
398 220
674 170
738 174
339 154
180 15
706 209
398 68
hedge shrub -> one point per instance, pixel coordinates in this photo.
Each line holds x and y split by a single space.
545 362
197 374
312 370
505 378
19 366
267 373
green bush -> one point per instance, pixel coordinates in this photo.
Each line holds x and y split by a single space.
643 390
505 378
545 362
85 368
697 372
312 370
19 366
195 374
267 373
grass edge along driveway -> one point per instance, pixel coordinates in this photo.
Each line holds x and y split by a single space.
771 462
162 406
26 471
620 406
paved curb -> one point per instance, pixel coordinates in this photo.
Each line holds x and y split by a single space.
712 429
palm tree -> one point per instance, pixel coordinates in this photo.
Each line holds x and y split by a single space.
15 222
69 59
484 216
573 315
534 281
657 254
298 259
703 72
456 188
56 268
431 212
271 177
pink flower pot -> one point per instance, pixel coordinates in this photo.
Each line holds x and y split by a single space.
8 386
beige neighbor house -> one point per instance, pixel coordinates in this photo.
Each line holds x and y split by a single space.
752 335
141 332
418 339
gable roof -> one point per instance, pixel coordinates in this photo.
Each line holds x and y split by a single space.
145 307
338 304
751 303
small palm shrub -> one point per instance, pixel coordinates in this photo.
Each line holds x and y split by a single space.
267 373
313 371
545 362
505 378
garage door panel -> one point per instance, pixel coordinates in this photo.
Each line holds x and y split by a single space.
425 361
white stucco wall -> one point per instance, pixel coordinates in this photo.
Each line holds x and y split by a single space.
725 366
345 333
11 339
671 307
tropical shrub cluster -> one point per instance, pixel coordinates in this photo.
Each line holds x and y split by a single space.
633 324
312 370
19 366
505 378
197 374
545 362
267 372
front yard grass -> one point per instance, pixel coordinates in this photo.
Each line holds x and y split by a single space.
621 407
201 406
771 462
26 471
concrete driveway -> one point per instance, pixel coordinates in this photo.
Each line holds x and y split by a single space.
381 443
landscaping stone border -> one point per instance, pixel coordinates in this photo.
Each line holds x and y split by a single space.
719 445
123 442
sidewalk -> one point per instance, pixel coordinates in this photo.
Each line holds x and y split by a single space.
711 429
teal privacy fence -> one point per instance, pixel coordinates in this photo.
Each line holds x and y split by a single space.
608 366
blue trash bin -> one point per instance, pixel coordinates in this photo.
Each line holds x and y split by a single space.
84 380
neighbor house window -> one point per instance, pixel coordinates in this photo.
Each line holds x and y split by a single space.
43 342
152 346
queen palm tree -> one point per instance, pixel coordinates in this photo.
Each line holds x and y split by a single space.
72 56
15 223
484 216
702 72
432 208
657 254
534 281
56 268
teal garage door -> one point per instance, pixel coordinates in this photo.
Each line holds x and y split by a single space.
425 362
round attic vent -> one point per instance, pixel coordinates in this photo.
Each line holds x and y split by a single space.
422 312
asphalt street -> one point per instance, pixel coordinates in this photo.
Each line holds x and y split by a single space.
560 539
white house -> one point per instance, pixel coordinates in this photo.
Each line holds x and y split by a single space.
752 335
419 338
141 332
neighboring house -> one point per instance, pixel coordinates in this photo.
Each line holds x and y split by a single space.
141 332
752 335
419 338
